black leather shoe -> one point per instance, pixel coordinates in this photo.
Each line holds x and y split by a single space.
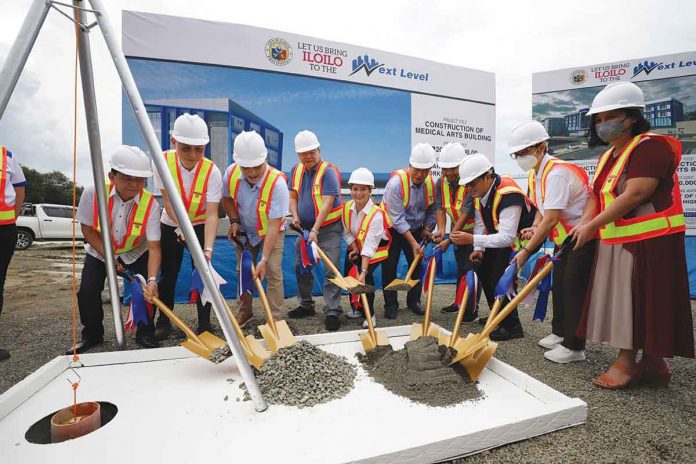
163 329
391 313
84 346
453 308
4 354
470 316
332 323
300 312
147 341
417 308
502 334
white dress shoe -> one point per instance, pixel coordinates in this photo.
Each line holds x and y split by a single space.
374 322
563 355
551 341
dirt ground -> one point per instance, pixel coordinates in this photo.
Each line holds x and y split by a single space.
639 425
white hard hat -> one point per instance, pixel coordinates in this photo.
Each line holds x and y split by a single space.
190 129
472 167
249 150
131 161
451 155
526 135
306 141
422 156
617 95
362 176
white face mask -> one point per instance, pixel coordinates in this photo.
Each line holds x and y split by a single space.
526 162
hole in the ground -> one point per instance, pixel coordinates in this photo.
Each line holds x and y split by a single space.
40 432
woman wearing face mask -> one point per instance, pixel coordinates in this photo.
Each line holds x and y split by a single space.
561 192
366 235
639 290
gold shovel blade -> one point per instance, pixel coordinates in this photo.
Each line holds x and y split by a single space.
197 349
281 340
210 340
256 353
382 339
399 285
340 283
367 342
468 346
476 363
417 331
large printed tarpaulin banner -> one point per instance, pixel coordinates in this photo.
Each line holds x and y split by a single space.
367 106
562 98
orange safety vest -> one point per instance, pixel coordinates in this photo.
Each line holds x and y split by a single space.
507 186
454 208
195 203
263 204
667 222
382 252
560 231
137 223
317 190
7 212
405 177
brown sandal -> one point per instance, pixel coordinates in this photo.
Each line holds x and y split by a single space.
604 381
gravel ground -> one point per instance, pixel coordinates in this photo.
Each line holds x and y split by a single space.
640 425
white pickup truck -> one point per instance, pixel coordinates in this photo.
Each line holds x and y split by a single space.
45 222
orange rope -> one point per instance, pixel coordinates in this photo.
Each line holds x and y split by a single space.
74 201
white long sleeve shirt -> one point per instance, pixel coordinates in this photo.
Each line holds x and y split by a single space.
375 232
508 222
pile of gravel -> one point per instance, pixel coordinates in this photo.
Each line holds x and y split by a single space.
420 373
303 375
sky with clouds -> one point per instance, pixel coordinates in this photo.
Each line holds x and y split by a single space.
511 38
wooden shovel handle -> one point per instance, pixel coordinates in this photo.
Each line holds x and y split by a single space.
329 264
460 315
428 300
264 301
529 288
494 311
413 265
181 324
368 316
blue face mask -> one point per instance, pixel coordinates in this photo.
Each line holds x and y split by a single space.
610 130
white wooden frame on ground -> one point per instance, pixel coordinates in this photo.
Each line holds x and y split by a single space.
177 407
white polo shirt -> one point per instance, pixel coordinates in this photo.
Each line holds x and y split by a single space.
375 231
564 191
212 195
15 178
120 214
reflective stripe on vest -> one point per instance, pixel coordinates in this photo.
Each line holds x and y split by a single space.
507 186
405 179
669 221
317 190
381 253
263 204
7 212
195 203
560 231
137 223
454 210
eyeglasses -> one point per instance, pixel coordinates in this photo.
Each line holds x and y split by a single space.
521 153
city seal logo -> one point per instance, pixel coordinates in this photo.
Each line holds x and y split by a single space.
278 51
579 76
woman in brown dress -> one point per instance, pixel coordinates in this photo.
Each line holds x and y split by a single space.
639 293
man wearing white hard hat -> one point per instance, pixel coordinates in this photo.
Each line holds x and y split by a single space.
135 232
638 298
199 184
409 200
561 191
315 205
367 235
502 211
452 200
256 200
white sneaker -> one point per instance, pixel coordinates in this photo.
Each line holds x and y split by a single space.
563 355
353 314
374 322
551 341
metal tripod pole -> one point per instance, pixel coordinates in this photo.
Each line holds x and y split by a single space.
17 56
91 115
153 145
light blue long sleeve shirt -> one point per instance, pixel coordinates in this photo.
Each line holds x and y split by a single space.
414 215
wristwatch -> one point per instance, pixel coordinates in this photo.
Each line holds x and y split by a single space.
151 280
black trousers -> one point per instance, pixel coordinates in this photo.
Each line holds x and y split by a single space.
389 265
571 278
172 256
89 297
492 267
369 278
8 240
461 256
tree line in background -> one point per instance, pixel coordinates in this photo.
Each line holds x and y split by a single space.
49 187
